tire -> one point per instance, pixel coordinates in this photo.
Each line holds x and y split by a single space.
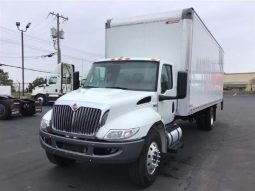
41 98
139 172
58 160
205 119
29 110
5 111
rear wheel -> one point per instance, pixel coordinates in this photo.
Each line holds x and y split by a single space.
28 109
58 160
205 119
5 111
144 171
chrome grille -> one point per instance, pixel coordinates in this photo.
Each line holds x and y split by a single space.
84 120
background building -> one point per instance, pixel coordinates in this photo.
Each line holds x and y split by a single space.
239 81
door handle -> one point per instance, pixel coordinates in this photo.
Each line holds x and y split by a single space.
173 107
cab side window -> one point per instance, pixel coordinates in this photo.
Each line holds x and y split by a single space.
166 78
52 80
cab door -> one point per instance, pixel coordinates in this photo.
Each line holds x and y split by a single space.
52 86
166 108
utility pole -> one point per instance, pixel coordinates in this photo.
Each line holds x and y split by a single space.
22 52
58 36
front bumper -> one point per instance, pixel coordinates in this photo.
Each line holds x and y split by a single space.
97 151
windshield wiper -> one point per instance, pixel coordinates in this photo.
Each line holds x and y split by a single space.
116 87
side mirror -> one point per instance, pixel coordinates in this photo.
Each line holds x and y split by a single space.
182 81
76 81
83 81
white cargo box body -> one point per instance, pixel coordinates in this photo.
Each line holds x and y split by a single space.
179 38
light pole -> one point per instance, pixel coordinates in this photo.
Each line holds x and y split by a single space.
22 50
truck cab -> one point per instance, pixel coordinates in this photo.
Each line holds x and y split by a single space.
122 110
138 75
50 91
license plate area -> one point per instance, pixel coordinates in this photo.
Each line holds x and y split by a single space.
71 147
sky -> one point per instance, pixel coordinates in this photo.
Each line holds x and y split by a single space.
231 22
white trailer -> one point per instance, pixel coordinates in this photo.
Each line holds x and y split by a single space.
159 68
5 90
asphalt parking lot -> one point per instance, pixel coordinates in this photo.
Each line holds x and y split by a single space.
222 159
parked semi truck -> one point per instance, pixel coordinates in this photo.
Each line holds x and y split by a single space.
10 106
51 91
158 69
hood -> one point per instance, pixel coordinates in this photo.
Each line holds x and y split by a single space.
116 100
37 90
40 86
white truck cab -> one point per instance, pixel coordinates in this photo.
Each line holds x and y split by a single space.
125 112
50 91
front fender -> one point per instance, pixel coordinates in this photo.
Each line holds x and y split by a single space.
47 116
144 118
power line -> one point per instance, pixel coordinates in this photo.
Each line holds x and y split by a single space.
31 69
31 37
9 41
77 58
26 35
11 58
29 57
20 56
45 51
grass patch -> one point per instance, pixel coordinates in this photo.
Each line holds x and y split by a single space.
16 95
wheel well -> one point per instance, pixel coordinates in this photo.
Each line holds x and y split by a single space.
45 97
214 112
40 95
160 128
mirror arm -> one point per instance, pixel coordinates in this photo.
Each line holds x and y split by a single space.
162 97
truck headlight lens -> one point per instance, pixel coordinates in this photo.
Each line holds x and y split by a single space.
45 125
121 134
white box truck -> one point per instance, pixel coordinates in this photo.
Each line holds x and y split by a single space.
159 68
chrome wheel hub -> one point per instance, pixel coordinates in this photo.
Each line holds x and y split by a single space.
212 120
40 99
153 157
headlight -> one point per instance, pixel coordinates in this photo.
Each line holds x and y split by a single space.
121 134
45 125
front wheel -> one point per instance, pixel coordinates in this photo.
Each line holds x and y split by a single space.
41 99
144 171
58 160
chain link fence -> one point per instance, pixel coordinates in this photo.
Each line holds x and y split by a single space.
16 90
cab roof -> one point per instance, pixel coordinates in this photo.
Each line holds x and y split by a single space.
128 59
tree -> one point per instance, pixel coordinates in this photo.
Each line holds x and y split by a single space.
37 82
4 78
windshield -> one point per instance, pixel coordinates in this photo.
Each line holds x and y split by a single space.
129 75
